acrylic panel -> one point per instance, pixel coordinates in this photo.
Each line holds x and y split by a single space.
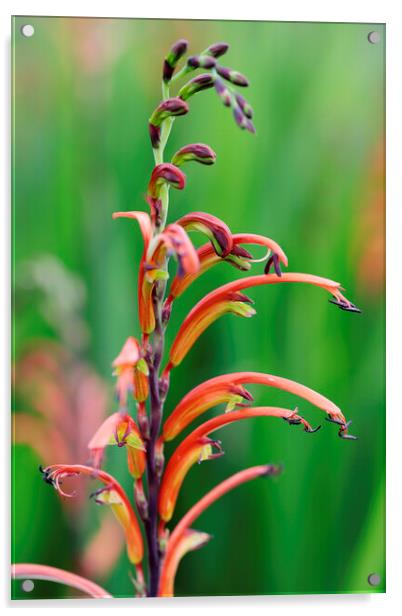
198 273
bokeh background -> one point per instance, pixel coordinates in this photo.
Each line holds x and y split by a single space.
313 179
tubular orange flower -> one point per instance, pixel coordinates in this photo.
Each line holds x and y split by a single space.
112 494
162 175
216 230
228 389
181 461
189 541
210 307
53 574
131 370
200 319
174 240
120 429
238 257
145 308
198 450
174 547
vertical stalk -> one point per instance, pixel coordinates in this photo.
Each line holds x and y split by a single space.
156 401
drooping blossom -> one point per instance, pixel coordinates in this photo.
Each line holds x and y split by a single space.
174 550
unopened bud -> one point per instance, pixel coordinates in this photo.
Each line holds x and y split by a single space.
201 82
201 61
217 49
244 106
223 92
233 76
198 152
170 107
171 60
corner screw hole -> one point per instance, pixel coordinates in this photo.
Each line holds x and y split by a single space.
28 585
374 579
374 37
27 30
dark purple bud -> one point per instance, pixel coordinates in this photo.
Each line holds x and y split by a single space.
233 76
223 92
171 60
217 49
244 106
201 62
201 82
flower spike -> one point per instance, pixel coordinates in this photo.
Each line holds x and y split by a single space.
215 229
112 494
228 389
210 307
181 462
172 558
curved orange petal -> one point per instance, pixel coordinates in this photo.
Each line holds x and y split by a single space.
113 495
181 461
174 546
198 450
228 389
186 335
208 257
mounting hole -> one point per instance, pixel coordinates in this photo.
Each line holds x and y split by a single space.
374 37
27 30
28 585
374 579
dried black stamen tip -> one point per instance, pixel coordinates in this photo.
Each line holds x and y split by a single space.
338 422
348 307
342 430
312 430
45 476
273 470
292 421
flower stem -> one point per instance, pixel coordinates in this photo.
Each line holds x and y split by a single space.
156 400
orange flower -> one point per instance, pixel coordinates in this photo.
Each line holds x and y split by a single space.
145 308
112 494
131 370
175 544
182 459
198 450
228 389
121 430
238 257
213 305
215 229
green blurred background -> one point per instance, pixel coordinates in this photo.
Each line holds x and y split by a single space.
312 179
